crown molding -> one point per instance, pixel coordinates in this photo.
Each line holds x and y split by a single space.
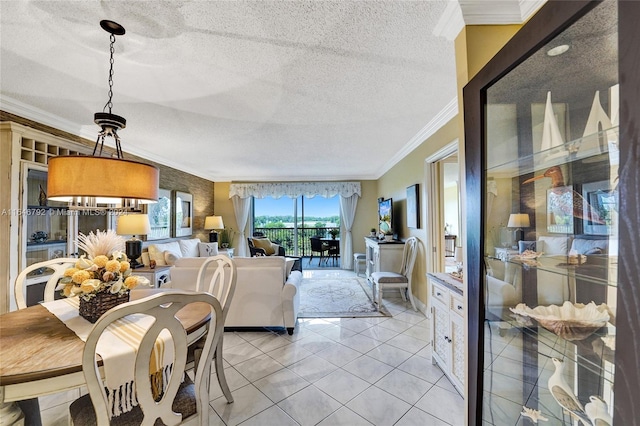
29 112
451 22
488 12
447 113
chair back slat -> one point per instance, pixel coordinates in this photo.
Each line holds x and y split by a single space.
57 266
218 276
163 308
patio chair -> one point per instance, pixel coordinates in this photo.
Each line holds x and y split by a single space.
318 246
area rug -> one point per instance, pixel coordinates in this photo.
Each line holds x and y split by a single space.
337 298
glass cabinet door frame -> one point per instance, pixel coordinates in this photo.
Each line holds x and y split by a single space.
553 18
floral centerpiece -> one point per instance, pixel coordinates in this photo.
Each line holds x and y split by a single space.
102 278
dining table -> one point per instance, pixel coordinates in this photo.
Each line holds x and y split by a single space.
39 355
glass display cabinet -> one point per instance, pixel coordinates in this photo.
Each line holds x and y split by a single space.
551 141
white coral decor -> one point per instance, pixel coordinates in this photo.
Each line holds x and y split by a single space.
569 321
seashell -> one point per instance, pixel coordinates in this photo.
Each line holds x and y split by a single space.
569 321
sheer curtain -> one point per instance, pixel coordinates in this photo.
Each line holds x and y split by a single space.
349 192
241 207
348 213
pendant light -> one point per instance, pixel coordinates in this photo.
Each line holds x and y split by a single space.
90 181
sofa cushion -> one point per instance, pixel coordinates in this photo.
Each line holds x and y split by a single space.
589 246
189 248
555 245
207 249
156 251
265 244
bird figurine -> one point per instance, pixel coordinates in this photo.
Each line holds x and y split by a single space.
563 394
598 411
564 201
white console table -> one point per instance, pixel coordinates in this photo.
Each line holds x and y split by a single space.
383 255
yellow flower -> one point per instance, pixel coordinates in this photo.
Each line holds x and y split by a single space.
124 265
79 276
131 282
100 260
69 272
89 286
112 266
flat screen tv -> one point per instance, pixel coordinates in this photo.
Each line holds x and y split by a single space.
385 215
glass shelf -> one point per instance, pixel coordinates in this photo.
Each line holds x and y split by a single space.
587 148
593 270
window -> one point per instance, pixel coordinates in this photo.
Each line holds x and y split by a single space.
291 222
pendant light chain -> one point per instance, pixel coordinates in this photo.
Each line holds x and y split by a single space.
109 103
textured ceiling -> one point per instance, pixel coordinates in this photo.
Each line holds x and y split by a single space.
237 90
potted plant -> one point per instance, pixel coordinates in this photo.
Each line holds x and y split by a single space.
373 232
388 235
226 238
334 232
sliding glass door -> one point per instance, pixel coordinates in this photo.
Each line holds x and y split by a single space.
291 222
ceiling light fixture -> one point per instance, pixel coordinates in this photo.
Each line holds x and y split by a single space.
87 181
558 50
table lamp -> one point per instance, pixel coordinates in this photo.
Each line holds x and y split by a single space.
212 223
518 221
133 224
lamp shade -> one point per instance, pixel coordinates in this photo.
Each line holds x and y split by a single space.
518 220
84 176
213 222
133 224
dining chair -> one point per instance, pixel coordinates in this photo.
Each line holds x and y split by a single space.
318 246
401 279
182 400
57 266
217 275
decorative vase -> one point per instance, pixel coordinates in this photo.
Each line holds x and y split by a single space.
95 307
388 238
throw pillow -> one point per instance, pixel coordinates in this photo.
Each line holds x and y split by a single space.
156 251
529 245
189 248
170 257
555 245
264 244
207 249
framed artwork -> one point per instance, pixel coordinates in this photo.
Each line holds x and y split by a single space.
413 207
160 216
599 208
560 210
183 216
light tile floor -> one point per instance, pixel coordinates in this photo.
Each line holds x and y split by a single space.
332 371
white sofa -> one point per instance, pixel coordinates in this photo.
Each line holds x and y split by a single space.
267 291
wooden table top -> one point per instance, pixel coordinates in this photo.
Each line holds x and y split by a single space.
36 345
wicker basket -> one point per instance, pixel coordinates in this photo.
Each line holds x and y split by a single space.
94 308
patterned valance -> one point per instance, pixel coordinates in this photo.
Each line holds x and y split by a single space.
294 190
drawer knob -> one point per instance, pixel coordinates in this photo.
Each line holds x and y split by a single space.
459 307
438 293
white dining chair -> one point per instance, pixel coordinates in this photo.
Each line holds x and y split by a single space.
182 401
401 279
52 269
218 275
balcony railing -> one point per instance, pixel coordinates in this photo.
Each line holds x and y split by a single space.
286 238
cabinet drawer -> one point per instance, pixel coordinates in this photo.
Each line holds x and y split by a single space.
456 304
440 293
